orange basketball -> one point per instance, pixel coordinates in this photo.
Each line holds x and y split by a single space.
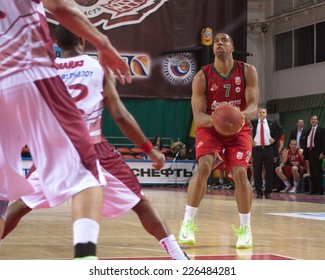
227 120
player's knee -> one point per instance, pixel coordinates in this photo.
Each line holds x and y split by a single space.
239 173
143 205
294 168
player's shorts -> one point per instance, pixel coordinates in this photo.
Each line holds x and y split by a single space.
237 148
112 161
117 199
42 115
288 171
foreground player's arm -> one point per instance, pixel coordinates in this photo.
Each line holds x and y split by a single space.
251 92
199 101
126 122
68 14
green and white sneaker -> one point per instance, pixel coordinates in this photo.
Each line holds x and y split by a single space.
87 258
245 238
186 233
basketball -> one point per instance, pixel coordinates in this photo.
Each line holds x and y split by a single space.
227 120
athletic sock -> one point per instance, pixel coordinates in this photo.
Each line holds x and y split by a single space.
287 184
190 213
245 219
172 248
85 235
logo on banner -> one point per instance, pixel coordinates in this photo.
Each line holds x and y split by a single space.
114 13
139 65
179 68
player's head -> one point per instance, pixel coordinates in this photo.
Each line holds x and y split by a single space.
223 44
262 113
66 40
293 144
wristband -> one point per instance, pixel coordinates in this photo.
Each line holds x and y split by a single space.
147 146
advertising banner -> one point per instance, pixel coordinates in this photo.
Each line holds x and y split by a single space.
176 172
161 39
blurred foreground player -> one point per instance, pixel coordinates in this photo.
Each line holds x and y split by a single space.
88 95
37 110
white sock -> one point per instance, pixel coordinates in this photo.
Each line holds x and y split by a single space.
85 230
190 213
245 219
295 183
287 184
172 248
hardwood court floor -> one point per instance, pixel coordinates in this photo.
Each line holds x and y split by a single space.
295 230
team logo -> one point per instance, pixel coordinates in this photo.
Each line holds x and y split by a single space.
237 81
114 13
240 155
249 154
199 144
179 68
139 65
237 89
214 87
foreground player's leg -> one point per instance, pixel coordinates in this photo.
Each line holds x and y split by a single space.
15 212
3 208
86 214
154 225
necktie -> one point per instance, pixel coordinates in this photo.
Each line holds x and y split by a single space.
311 138
262 134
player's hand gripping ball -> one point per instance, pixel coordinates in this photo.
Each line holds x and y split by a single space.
227 120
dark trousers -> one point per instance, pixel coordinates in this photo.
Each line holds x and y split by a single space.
263 157
316 172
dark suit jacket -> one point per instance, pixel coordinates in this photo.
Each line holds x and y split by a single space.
319 141
276 130
293 135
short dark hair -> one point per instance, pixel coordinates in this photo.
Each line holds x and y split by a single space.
65 38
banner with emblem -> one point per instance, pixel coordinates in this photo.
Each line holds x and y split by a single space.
161 39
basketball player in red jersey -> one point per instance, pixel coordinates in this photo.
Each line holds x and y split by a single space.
37 110
292 166
224 81
91 90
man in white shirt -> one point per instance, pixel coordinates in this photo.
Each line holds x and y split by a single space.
314 151
265 136
298 133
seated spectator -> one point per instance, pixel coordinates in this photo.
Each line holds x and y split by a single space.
182 155
176 146
292 166
157 143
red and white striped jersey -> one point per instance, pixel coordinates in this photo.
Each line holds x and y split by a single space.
26 51
84 78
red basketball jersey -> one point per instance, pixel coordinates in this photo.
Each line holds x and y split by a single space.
230 89
295 159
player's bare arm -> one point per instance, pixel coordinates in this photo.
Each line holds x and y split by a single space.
126 122
199 102
251 92
284 160
68 14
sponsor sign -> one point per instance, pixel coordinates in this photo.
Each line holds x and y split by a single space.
175 172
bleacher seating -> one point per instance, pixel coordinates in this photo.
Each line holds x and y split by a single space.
130 151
